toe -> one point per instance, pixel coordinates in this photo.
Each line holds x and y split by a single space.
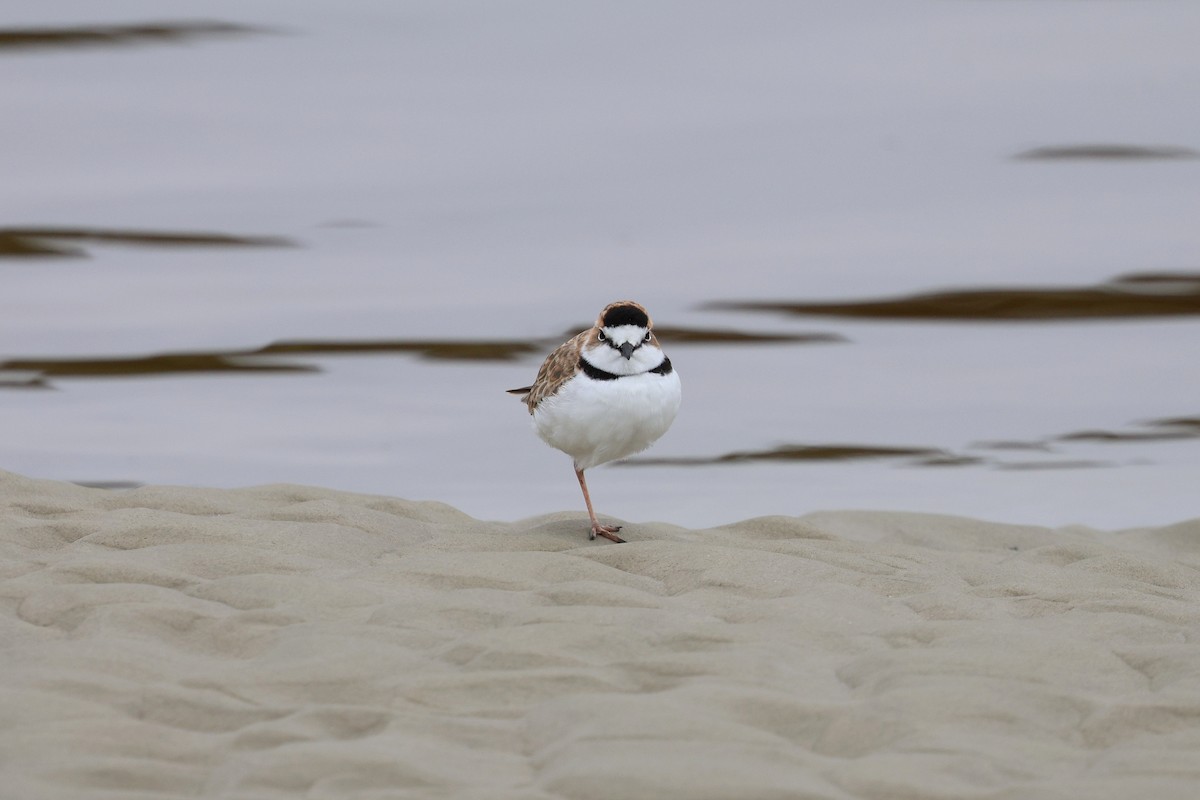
611 535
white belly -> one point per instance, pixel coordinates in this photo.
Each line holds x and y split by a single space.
599 421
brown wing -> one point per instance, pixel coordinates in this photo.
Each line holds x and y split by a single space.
558 368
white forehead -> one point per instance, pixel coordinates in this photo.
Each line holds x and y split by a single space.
624 333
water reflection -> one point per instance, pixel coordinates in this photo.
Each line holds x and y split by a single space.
32 372
1160 430
142 366
1030 466
19 39
1105 152
904 456
1011 445
64 242
22 380
1153 294
673 336
796 452
437 350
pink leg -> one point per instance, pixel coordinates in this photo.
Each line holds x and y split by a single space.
607 531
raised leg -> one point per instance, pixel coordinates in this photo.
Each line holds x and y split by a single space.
607 531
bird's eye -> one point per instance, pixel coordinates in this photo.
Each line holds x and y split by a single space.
601 336
647 337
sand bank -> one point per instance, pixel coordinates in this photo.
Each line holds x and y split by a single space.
287 641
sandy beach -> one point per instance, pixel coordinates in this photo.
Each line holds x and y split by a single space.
295 642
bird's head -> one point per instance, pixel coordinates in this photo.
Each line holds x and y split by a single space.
622 341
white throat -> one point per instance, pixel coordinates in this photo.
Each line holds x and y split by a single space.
606 355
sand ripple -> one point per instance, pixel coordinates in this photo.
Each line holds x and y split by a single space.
296 642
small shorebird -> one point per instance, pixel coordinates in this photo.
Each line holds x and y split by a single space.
604 394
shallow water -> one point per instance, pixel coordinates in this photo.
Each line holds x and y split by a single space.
929 256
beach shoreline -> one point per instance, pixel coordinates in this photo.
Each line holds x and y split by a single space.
290 641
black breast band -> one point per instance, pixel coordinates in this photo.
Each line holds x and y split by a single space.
597 374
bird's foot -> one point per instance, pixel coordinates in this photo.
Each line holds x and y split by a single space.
607 531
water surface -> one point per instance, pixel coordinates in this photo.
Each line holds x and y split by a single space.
930 256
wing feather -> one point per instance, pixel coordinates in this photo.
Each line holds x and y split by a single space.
558 368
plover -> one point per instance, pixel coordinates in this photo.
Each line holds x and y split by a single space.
604 394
